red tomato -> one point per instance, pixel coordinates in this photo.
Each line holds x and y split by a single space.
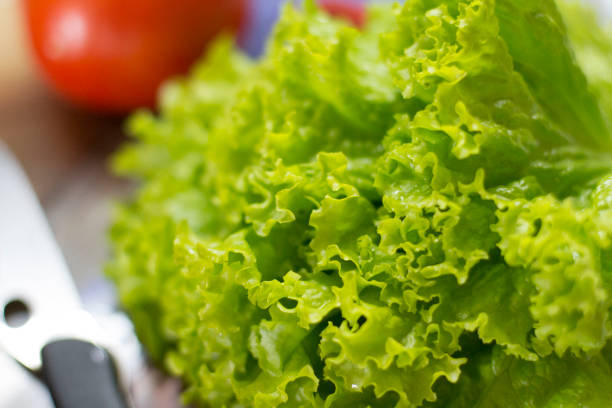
112 54
351 10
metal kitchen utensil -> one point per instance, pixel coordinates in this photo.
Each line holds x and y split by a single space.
58 338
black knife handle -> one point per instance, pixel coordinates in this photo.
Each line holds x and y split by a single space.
80 374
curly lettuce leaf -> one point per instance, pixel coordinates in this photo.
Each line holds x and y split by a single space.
494 379
412 215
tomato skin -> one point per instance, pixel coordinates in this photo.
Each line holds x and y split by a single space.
354 11
112 55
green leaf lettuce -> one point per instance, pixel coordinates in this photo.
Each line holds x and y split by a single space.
418 214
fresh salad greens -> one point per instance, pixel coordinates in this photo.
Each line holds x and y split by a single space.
418 214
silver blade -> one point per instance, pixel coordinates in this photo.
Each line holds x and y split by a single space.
33 272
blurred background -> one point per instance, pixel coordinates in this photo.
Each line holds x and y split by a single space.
63 124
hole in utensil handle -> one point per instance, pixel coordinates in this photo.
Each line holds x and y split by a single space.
80 374
16 313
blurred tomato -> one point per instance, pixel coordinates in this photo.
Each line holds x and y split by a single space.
353 10
112 54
